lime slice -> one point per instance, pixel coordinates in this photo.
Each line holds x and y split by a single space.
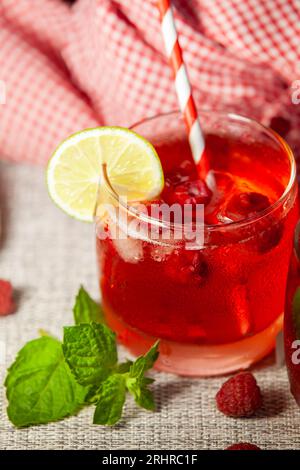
73 175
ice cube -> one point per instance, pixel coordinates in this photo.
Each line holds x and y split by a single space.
224 185
129 249
160 252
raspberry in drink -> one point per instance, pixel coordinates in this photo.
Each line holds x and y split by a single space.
216 306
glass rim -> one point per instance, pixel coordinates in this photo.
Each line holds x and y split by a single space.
223 225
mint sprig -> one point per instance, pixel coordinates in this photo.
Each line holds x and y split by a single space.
49 380
113 389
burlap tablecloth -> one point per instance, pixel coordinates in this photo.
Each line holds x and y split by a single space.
47 256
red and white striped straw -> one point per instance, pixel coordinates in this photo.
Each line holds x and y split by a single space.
182 82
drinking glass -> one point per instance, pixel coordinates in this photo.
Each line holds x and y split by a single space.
215 304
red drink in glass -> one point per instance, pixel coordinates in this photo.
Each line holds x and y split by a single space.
216 307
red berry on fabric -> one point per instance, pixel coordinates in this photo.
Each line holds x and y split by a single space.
7 304
239 396
243 446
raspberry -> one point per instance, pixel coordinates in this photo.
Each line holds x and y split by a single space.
242 205
253 201
7 305
180 189
269 237
239 396
187 267
191 192
243 446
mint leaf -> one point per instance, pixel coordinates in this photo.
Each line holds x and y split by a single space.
142 395
112 398
90 350
296 312
40 386
86 309
137 383
144 363
123 367
144 398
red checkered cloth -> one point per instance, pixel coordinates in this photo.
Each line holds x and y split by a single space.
103 62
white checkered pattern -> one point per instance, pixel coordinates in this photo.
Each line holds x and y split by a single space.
103 62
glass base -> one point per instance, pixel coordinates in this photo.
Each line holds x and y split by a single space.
199 360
